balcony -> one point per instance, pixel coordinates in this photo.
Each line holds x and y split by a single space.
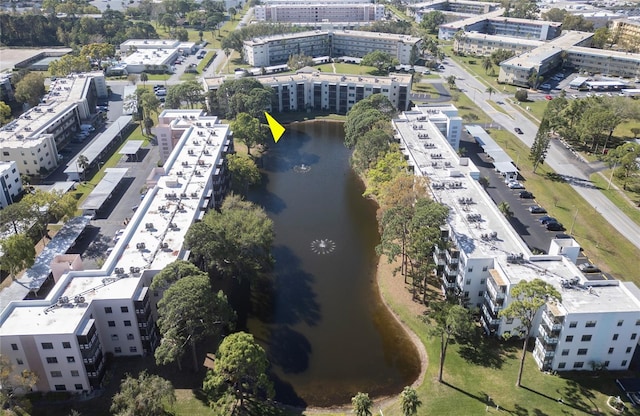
547 338
493 306
451 271
452 258
550 322
543 350
438 258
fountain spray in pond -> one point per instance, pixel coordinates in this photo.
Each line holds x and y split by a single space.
301 168
323 246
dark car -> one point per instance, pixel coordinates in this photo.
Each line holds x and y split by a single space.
518 130
554 226
525 195
546 219
563 236
588 268
537 209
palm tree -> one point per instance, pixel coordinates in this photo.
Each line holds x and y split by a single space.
144 78
505 209
409 401
487 64
451 81
227 53
490 90
362 404
83 163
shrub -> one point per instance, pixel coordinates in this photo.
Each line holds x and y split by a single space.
521 95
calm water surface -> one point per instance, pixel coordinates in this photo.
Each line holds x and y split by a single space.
326 331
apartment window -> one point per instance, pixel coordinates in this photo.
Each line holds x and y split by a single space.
634 335
61 387
78 386
590 324
468 282
509 321
573 324
133 349
127 323
111 323
107 309
485 268
75 373
483 281
66 345
585 338
624 363
638 322
117 350
562 365
470 269
569 338
5 153
114 337
615 337
52 360
628 350
14 347
56 374
578 364
71 359
620 323
582 351
124 309
611 350
130 337
19 361
47 346
565 352
606 363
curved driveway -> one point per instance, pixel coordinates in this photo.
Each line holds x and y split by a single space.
575 171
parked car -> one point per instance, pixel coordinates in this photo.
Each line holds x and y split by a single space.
548 97
545 86
537 209
555 226
588 268
515 185
518 130
563 236
525 195
545 219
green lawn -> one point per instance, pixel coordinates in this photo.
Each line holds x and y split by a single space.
344 68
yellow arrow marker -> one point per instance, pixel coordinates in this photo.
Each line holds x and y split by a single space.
276 128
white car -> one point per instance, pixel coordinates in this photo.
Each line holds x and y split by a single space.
515 185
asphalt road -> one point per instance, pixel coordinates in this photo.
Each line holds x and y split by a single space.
573 169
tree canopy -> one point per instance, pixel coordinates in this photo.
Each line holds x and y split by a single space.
432 21
239 375
30 89
380 60
145 395
248 130
244 172
244 95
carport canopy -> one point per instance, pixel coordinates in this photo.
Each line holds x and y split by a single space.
131 147
103 189
501 160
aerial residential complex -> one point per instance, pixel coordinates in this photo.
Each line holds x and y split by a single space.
597 321
273 50
34 139
87 314
10 183
319 12
335 93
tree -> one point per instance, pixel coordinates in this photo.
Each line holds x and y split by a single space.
239 374
409 401
233 12
98 51
635 131
13 385
490 90
244 95
83 163
297 61
145 395
14 217
174 272
30 89
68 64
487 64
555 15
370 147
451 81
188 312
378 59
600 37
521 95
18 253
362 404
505 209
484 181
244 172
432 20
527 299
449 321
576 22
247 129
625 157
500 55
144 77
227 54
5 113
385 170
235 241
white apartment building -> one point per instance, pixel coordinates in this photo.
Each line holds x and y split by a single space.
89 313
33 139
335 93
481 44
273 50
319 12
452 9
626 33
596 322
10 183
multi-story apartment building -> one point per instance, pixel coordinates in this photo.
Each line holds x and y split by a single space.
481 44
493 24
626 33
274 50
33 139
10 183
319 12
328 92
453 9
596 321
151 55
65 336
